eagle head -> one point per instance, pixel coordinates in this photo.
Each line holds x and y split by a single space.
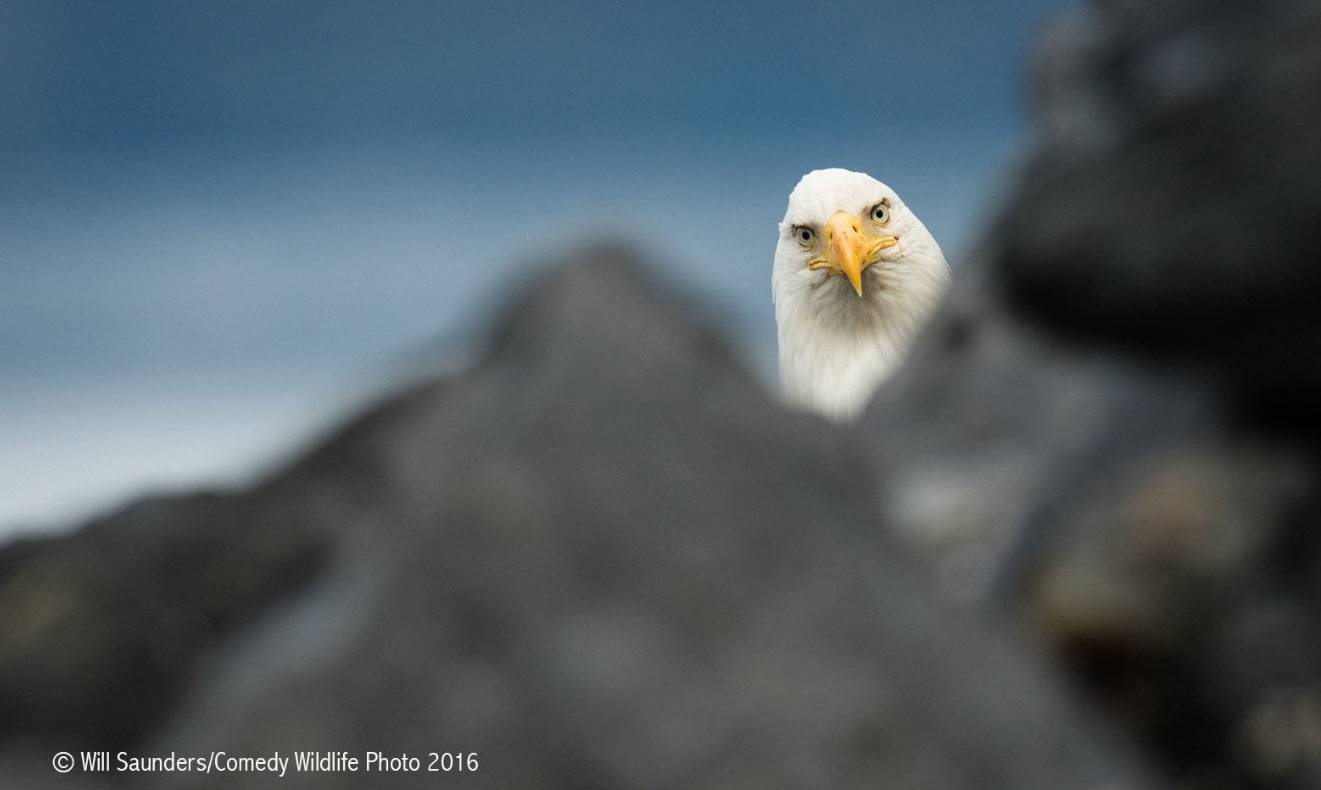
855 275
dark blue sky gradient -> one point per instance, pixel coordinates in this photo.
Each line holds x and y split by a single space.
239 74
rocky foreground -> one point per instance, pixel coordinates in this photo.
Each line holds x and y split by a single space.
1074 544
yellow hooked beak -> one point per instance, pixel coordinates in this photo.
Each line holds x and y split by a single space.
850 249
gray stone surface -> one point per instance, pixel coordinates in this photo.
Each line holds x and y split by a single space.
1110 432
604 557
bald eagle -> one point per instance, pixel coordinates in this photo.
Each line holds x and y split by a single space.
856 274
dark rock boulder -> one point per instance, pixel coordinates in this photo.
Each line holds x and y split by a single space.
1111 429
1173 185
1167 553
604 557
1173 198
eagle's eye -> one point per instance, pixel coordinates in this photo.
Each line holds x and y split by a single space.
805 235
880 213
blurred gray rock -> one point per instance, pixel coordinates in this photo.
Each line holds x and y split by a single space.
604 557
1111 430
1166 551
1172 199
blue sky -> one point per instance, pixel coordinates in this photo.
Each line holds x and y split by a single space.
223 223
